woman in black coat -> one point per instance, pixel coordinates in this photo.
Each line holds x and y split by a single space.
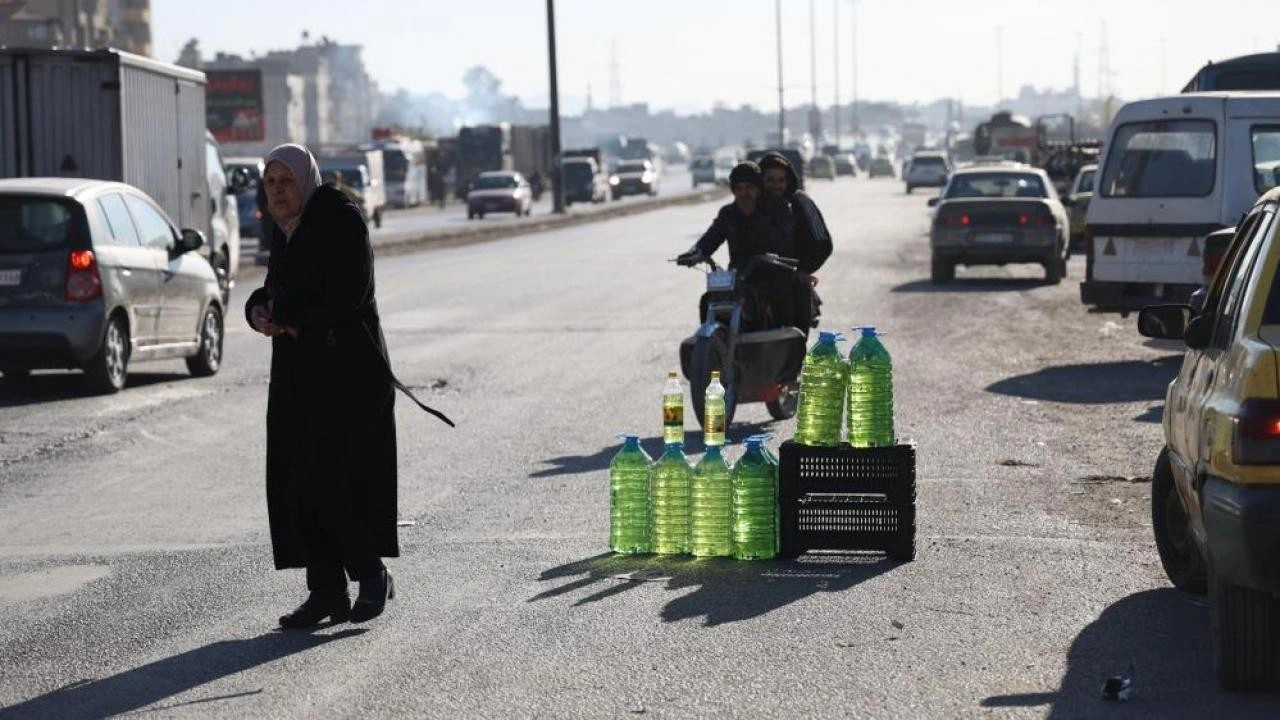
331 433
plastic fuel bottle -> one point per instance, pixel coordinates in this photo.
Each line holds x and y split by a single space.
870 392
822 394
771 460
669 481
629 498
673 409
711 506
755 505
714 409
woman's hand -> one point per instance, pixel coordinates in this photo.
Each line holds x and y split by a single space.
260 317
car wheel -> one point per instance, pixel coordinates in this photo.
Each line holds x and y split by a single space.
377 218
480 215
209 358
109 367
909 189
784 408
1244 624
1181 558
1055 269
941 271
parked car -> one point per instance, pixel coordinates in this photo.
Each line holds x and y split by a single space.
1215 492
249 170
499 191
633 177
927 169
703 169
1077 202
881 166
995 216
583 181
846 164
821 166
93 275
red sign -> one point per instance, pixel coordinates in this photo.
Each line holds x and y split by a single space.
233 105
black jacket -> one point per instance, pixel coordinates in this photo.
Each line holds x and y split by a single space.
811 239
768 229
331 433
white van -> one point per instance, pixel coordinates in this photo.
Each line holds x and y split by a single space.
1174 170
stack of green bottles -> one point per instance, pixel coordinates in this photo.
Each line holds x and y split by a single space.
629 498
823 381
870 392
671 478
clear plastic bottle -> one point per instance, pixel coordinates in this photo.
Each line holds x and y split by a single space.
755 505
870 392
673 409
669 484
714 409
823 381
629 498
711 506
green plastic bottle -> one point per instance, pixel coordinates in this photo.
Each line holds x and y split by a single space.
714 411
755 505
669 483
711 506
673 409
870 392
822 394
629 498
771 459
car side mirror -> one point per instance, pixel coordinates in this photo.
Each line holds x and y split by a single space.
239 181
1198 333
190 240
933 201
1168 322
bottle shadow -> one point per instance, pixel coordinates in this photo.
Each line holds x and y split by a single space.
142 686
599 460
726 590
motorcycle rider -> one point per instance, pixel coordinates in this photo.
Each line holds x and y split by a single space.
810 237
753 224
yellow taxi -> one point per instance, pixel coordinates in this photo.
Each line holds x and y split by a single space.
1215 495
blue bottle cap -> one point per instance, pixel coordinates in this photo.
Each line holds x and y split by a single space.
754 442
628 438
867 330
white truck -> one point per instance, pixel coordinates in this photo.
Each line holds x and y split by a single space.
361 171
110 115
1174 170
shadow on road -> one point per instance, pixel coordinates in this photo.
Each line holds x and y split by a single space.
49 387
1164 635
598 461
968 285
1095 383
726 590
151 683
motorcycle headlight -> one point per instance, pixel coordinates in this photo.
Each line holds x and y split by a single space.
613 179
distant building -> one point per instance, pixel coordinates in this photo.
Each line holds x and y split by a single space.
123 24
283 102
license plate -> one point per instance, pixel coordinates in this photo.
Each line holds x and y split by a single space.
1150 247
993 237
10 278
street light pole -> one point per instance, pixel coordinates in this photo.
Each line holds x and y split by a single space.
782 124
853 51
835 45
557 198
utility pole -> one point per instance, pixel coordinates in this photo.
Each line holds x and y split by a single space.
853 51
999 65
815 115
557 198
782 121
835 48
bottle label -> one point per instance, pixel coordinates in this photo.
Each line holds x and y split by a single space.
714 424
673 416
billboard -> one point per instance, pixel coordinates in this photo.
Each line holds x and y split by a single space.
233 101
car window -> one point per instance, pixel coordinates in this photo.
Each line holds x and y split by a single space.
119 224
996 185
1161 158
34 224
1266 157
494 182
1228 263
1229 317
213 166
1086 181
152 226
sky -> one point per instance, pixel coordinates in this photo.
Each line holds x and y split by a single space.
689 55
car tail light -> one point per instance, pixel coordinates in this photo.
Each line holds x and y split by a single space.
953 220
83 282
1257 433
1036 219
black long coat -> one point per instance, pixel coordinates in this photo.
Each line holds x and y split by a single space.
331 434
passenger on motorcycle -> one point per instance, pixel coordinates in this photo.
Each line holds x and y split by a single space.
810 237
753 224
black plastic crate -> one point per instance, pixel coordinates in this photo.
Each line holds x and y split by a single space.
847 498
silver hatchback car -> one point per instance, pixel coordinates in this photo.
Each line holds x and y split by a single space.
93 275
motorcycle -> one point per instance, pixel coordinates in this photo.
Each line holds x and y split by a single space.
757 363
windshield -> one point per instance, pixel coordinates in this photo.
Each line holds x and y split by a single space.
996 185
577 171
252 169
1266 157
395 164
631 167
30 224
1162 158
702 162
927 162
351 177
1086 181
494 182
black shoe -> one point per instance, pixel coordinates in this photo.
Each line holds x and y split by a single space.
373 597
317 607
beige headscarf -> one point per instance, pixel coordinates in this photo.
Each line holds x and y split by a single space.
302 164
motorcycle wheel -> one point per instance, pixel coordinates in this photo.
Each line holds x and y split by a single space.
784 408
711 353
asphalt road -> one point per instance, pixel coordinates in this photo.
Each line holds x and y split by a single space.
135 569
